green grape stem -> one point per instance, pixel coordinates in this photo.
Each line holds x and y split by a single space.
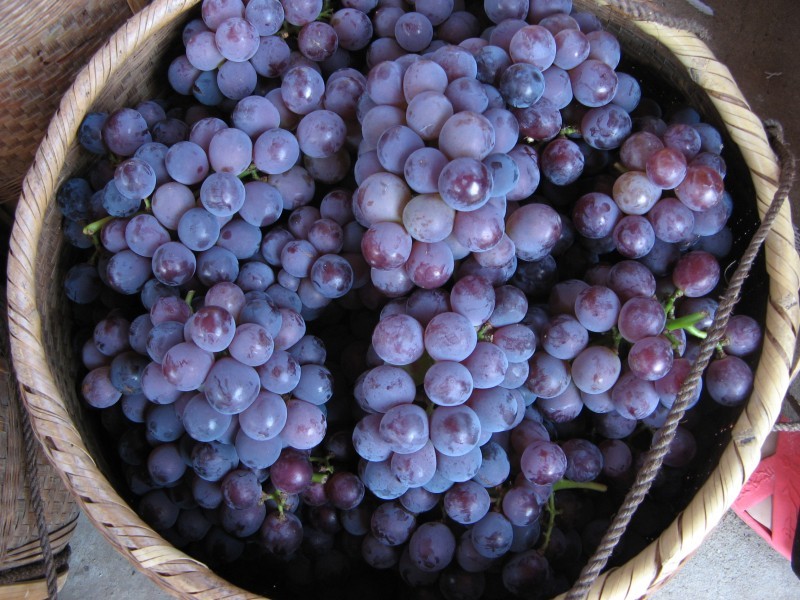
564 484
251 172
568 130
551 521
320 477
687 323
669 305
485 333
617 338
324 468
619 168
327 11
94 227
676 343
277 498
568 484
698 333
190 297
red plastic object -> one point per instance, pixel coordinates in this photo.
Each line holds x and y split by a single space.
777 476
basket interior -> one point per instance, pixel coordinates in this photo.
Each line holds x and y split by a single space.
142 76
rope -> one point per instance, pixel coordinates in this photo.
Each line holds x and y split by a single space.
664 436
788 427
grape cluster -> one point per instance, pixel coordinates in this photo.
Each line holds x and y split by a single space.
471 385
399 287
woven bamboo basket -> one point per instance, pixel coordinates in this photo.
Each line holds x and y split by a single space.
21 557
122 72
41 49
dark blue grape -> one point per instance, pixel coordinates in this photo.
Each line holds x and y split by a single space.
521 85
74 199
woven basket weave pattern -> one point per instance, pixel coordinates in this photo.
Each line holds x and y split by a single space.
42 47
123 73
19 535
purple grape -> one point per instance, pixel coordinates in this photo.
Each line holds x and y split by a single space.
548 376
305 425
391 524
564 337
492 536
595 370
534 229
696 274
454 430
543 462
265 417
584 460
605 127
634 398
562 161
650 358
405 428
415 468
292 472
281 533
466 503
448 383
729 380
432 547
742 335
202 421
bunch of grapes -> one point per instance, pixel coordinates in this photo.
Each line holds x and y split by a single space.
398 287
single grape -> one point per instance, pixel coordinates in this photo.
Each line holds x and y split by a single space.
595 370
729 380
543 462
432 546
634 398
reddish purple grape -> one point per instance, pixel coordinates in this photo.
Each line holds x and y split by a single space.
701 189
650 358
634 398
696 274
634 236
666 168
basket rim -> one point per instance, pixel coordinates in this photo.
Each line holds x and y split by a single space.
182 575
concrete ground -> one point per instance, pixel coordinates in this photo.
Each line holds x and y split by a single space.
759 41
